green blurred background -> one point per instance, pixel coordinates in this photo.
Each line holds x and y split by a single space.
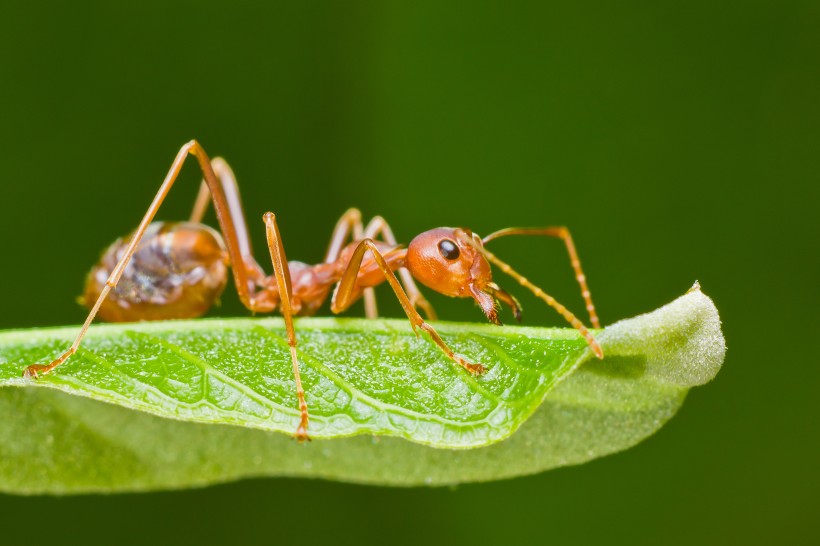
678 140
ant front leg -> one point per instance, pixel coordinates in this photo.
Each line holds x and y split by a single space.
378 225
350 225
282 274
343 297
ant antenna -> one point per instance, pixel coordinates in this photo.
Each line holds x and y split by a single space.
549 300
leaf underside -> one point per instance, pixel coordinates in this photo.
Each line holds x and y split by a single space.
386 407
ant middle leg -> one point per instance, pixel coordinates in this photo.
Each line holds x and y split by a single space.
345 294
379 225
282 275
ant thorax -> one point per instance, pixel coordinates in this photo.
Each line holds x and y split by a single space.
177 271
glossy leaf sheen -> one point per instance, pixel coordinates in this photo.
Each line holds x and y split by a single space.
386 407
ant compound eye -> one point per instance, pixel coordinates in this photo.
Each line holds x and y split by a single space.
448 249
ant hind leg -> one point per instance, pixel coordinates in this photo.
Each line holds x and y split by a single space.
225 196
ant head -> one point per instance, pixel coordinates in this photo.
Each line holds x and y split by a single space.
448 260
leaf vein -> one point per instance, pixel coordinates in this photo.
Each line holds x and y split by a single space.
209 369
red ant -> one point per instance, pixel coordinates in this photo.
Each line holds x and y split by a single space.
177 270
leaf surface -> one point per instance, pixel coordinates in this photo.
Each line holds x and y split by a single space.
386 407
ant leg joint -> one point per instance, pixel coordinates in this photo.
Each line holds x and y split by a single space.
34 371
354 214
301 434
473 369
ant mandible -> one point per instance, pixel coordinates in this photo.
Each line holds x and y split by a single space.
177 270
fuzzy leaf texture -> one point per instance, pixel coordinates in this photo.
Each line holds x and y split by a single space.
145 406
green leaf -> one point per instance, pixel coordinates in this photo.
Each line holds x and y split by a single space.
371 386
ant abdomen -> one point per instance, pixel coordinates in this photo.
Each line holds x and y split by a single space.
178 270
